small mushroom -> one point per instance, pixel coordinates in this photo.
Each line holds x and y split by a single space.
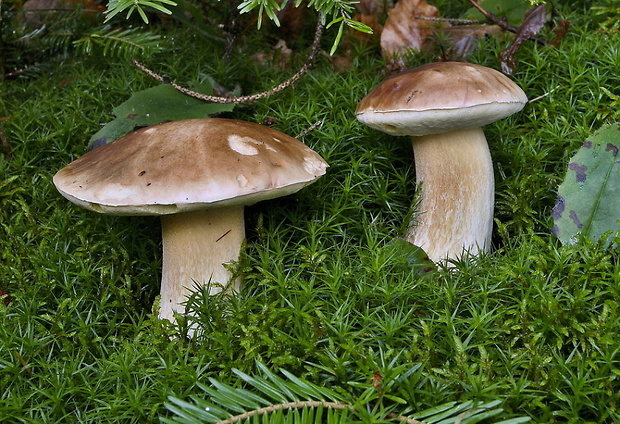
442 107
197 174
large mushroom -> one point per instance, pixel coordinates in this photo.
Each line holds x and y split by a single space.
442 107
197 174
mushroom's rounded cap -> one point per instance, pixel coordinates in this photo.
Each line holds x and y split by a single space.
440 97
189 165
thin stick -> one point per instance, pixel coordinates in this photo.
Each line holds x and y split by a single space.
535 99
454 21
502 23
492 18
309 129
254 97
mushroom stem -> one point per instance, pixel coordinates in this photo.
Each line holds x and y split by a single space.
455 213
195 246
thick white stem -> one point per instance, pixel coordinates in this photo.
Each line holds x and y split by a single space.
455 212
195 245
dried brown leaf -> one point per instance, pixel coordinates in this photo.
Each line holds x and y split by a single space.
291 20
372 20
402 31
560 31
533 22
280 55
5 296
371 7
462 40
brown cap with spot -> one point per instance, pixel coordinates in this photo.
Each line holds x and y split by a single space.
189 165
440 97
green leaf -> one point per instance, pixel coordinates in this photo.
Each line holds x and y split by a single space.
401 252
588 203
156 105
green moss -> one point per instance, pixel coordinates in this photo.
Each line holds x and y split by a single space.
533 323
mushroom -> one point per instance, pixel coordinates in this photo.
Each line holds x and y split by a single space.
197 174
442 107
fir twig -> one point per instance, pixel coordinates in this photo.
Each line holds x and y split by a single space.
272 394
118 42
305 404
253 97
284 406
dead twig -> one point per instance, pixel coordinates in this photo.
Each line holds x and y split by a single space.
453 21
309 129
502 22
492 18
254 97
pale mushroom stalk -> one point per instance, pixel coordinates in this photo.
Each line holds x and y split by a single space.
457 194
442 106
195 246
197 174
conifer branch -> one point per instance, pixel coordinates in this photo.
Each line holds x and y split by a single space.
305 404
284 406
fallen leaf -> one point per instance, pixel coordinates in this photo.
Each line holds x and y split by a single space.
372 7
5 296
370 13
462 40
560 31
155 105
377 379
340 62
372 21
401 253
280 54
403 32
588 203
291 19
533 22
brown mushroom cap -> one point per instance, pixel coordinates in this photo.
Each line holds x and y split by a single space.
189 165
440 97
